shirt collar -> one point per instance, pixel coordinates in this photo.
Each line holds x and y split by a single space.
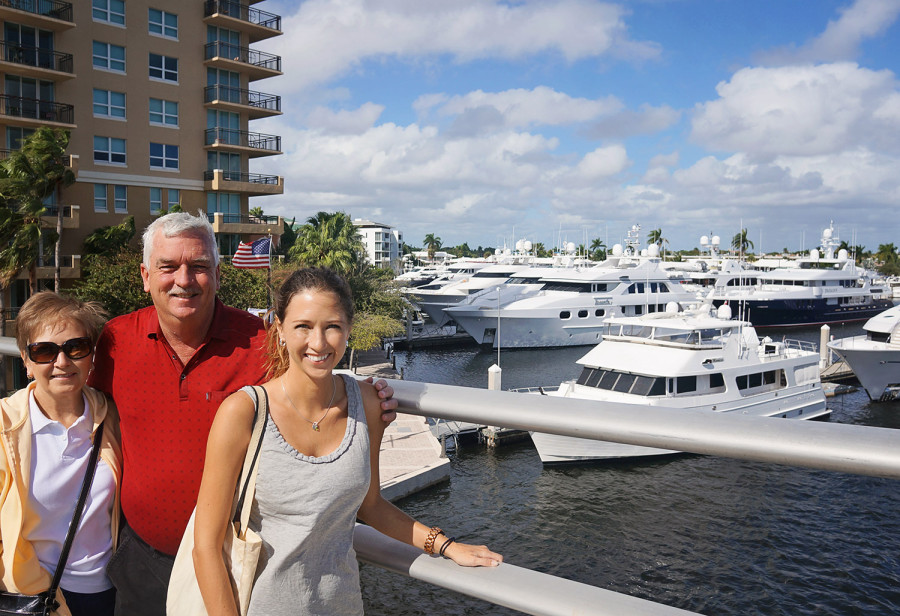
217 327
40 422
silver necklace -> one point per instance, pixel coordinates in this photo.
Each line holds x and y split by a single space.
315 424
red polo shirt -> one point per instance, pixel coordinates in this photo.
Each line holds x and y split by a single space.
167 409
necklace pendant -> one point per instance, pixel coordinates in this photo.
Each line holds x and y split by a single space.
315 426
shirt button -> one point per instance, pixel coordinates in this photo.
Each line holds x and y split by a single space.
183 376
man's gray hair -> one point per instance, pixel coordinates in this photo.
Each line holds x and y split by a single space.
176 224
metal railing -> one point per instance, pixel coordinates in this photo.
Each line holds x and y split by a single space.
239 96
36 56
48 8
52 210
34 109
243 138
242 12
244 220
239 176
261 59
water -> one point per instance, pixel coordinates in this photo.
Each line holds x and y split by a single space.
709 535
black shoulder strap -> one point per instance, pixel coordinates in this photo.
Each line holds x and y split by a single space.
260 419
79 508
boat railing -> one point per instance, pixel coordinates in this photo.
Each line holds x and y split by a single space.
804 346
540 389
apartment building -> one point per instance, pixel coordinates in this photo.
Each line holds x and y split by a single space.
158 96
383 243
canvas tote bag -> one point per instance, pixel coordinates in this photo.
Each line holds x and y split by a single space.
242 546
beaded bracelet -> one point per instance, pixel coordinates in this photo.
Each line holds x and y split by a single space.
429 540
446 543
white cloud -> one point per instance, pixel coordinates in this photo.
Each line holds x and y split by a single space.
331 38
345 121
800 110
627 123
842 37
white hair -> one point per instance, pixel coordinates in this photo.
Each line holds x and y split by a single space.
177 224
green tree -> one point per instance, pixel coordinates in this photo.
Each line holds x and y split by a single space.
243 288
29 178
114 281
329 240
740 242
887 253
107 241
432 244
598 249
257 212
656 237
288 237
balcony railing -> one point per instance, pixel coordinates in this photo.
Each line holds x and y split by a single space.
36 56
261 59
34 109
239 96
243 139
52 210
238 176
48 8
244 13
243 220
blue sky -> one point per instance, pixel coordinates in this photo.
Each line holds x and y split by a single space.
486 122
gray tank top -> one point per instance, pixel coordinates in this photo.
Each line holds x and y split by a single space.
304 511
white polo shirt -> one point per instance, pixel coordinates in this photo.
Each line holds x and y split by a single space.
59 459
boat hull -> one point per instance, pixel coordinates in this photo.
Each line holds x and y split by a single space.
799 312
876 365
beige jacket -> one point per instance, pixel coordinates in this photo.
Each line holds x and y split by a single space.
20 570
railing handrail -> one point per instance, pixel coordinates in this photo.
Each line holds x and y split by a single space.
17 53
251 98
244 13
247 55
240 176
247 139
57 9
240 219
17 106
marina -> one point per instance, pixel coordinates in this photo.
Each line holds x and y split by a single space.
702 533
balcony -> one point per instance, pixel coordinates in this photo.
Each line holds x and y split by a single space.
46 14
71 216
255 64
35 62
36 112
249 225
252 144
253 184
233 15
70 268
255 104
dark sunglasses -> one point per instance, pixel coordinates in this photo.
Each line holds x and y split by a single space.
47 352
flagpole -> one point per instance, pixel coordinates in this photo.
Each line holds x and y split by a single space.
269 278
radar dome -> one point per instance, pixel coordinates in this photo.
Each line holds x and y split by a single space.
843 255
570 247
724 312
520 245
814 254
653 250
826 234
672 308
528 245
716 241
644 252
704 240
617 250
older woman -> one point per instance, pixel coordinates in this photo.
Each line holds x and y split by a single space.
318 468
46 437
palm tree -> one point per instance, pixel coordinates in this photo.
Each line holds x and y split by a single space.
108 241
656 237
257 213
328 240
432 244
598 249
28 178
886 253
740 242
540 250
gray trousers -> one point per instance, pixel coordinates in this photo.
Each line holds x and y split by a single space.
140 575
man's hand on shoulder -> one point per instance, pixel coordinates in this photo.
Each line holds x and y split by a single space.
386 394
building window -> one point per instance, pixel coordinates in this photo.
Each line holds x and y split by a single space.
163 112
15 135
155 200
100 198
110 11
109 104
163 156
108 56
163 67
109 150
163 23
174 198
120 198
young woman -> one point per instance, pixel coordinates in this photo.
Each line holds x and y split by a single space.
47 435
318 468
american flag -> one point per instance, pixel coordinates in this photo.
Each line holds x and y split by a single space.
253 256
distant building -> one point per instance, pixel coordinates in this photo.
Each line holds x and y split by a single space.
383 243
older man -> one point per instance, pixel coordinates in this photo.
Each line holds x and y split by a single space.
168 367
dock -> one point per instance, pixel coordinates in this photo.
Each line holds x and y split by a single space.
411 457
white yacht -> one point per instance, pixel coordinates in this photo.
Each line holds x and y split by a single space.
826 287
698 359
569 307
453 271
875 356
